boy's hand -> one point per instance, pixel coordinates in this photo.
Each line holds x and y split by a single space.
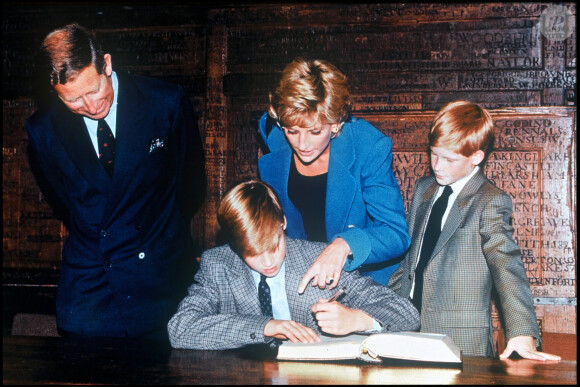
327 266
337 319
291 330
524 346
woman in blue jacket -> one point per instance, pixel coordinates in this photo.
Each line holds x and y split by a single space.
333 175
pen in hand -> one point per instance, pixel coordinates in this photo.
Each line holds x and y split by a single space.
337 294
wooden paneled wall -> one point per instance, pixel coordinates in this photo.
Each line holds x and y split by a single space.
404 62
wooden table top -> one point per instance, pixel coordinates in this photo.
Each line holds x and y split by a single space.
54 360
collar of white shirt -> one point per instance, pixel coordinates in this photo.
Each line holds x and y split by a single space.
277 286
111 118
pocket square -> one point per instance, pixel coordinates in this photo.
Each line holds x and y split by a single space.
156 144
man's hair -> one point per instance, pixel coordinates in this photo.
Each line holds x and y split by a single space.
66 51
463 127
251 218
310 91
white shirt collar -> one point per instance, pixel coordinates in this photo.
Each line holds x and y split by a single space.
459 184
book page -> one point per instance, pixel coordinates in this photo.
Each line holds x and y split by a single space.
426 347
330 348
429 347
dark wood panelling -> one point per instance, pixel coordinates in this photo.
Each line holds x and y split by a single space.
404 62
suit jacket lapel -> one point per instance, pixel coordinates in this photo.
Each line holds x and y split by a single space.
341 185
277 170
421 221
73 134
457 212
454 219
240 277
292 279
132 135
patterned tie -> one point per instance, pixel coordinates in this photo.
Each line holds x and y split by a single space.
106 146
265 297
430 238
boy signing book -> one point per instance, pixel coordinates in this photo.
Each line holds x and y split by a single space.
246 292
462 245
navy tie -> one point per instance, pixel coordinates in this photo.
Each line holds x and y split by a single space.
265 297
106 146
430 238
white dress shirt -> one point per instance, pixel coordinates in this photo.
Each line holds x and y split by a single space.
111 118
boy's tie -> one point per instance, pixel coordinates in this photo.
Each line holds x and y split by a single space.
265 297
266 305
430 238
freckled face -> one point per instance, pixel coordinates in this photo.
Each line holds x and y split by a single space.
269 263
89 94
309 144
450 166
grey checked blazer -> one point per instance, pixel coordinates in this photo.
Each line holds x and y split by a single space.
221 309
475 252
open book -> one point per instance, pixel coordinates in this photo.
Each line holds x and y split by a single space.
428 347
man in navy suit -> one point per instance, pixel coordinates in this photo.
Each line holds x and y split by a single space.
129 242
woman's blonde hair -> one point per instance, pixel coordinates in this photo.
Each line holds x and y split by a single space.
310 91
463 127
251 218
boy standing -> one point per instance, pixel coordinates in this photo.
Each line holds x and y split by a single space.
246 291
462 243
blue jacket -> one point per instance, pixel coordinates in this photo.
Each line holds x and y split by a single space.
363 200
128 238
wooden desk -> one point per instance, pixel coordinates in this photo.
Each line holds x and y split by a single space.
52 360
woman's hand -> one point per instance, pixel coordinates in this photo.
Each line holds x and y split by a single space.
327 267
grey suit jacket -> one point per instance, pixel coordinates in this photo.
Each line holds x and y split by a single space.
221 309
475 253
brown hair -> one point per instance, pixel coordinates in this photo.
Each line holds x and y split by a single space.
463 127
310 91
251 218
66 51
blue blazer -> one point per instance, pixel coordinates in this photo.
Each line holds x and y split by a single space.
128 238
363 199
